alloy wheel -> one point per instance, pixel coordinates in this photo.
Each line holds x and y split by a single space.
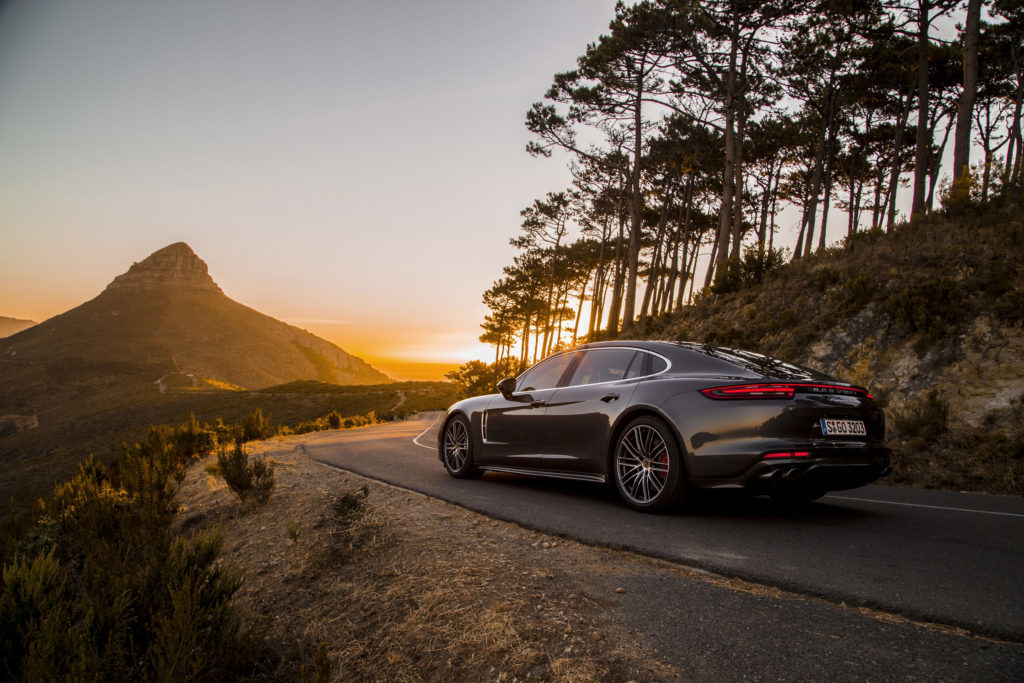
642 464
456 445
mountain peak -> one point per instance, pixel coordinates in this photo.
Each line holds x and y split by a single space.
174 266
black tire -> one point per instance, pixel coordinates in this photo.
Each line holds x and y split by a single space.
797 497
647 467
456 449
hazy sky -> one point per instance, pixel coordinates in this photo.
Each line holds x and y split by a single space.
355 168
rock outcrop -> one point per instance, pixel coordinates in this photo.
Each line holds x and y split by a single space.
175 266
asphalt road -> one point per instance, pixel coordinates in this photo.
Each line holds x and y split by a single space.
936 556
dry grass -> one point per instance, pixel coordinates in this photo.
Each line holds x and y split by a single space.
402 587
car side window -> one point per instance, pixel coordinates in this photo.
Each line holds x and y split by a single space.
603 365
545 375
639 365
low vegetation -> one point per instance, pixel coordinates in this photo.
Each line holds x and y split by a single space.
96 584
251 479
936 452
98 587
108 413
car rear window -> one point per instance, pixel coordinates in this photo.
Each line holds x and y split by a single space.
760 364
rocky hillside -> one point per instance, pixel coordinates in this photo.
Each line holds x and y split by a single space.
929 317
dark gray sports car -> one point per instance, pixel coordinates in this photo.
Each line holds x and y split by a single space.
661 419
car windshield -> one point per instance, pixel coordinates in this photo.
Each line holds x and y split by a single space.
544 375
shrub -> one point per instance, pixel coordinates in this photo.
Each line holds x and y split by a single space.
753 268
255 426
350 528
34 615
249 479
927 419
349 506
859 290
194 440
929 308
100 589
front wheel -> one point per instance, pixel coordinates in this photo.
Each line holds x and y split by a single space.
647 467
457 449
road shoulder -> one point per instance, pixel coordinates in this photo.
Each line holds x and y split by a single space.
434 590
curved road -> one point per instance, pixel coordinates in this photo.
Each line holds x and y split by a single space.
937 556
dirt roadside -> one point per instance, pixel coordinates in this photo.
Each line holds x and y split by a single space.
413 588
398 586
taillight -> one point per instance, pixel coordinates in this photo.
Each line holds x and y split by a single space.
787 454
779 390
740 391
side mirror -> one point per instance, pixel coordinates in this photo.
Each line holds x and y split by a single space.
507 386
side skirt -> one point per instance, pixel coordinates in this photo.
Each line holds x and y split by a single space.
599 478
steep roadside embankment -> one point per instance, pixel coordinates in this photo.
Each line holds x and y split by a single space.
929 317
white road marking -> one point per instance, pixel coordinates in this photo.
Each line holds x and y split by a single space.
417 439
932 507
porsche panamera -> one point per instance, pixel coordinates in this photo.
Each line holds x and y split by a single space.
660 420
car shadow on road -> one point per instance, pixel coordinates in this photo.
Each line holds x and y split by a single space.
706 505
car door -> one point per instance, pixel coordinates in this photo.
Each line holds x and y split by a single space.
578 417
510 424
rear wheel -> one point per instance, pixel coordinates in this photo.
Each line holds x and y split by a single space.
457 449
647 467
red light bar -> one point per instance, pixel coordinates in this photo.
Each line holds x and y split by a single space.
787 454
738 391
778 390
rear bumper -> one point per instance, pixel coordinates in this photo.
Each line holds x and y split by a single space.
828 468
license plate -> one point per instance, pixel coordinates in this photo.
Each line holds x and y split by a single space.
843 427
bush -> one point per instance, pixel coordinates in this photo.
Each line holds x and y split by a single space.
255 427
930 309
926 420
100 589
752 269
350 528
247 479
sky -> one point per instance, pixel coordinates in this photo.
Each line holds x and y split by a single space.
353 168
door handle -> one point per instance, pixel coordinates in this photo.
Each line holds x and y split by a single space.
608 398
537 404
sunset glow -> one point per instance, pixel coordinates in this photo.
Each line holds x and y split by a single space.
370 202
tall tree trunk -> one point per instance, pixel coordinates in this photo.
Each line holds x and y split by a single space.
596 302
829 158
729 173
525 356
738 185
635 209
923 132
548 323
894 173
579 309
936 166
616 304
653 276
962 142
1014 175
